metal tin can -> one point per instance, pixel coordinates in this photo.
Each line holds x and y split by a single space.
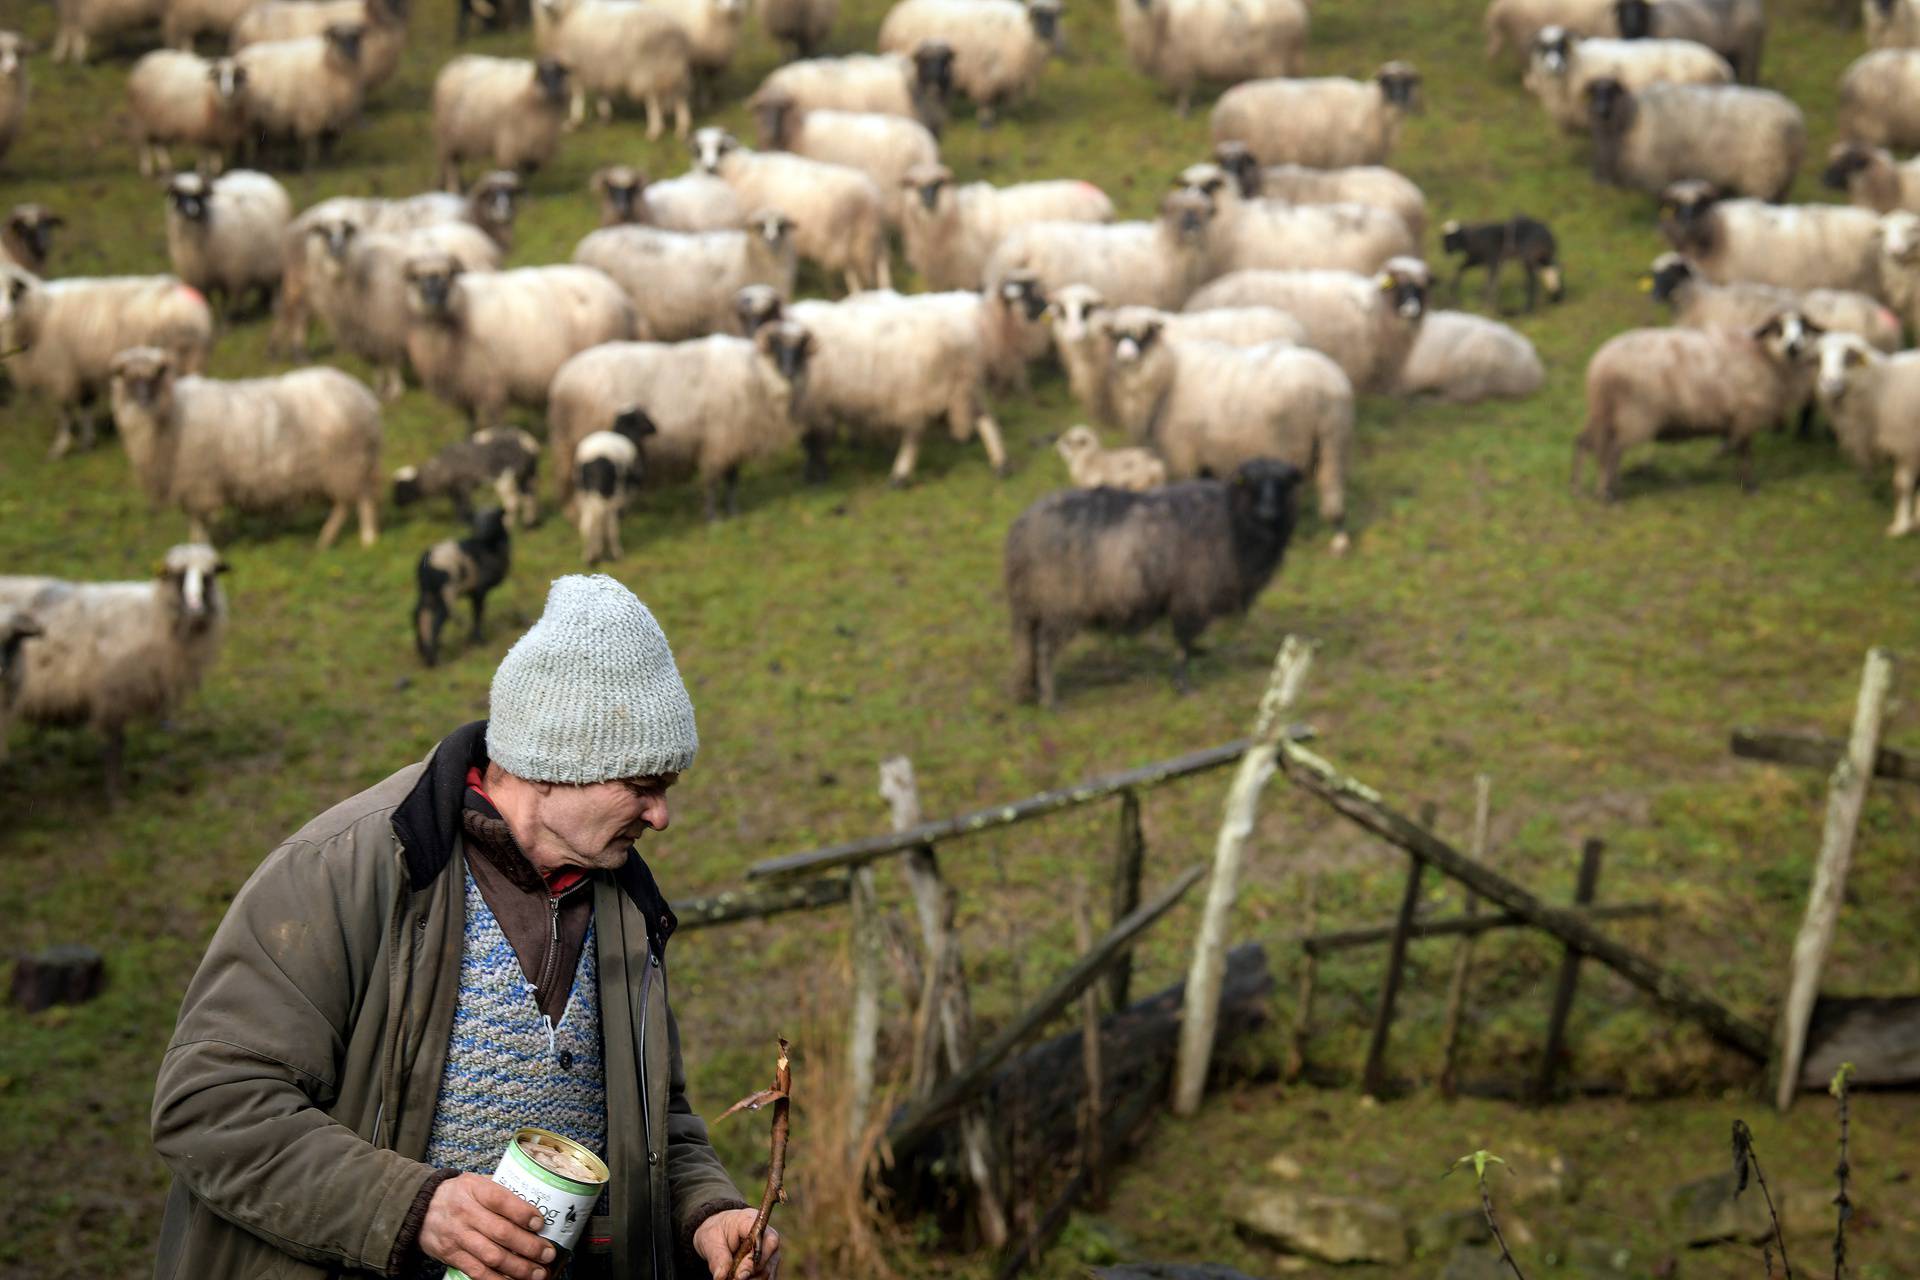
565 1202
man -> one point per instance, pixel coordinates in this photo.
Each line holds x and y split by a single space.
469 947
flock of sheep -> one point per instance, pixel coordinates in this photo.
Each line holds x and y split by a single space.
1227 338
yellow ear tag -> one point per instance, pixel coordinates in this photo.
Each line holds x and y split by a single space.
1386 281
1646 284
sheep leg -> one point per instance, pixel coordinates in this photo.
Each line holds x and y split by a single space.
1183 105
331 529
310 153
1904 476
1459 279
392 384
576 111
656 118
1742 450
113 759
63 437
903 461
1185 632
1025 648
428 616
1533 287
1043 654
1610 470
1493 284
479 630
814 445
604 108
990 441
682 119
883 266
369 519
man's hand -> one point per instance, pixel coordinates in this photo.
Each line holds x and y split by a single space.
717 1238
479 1226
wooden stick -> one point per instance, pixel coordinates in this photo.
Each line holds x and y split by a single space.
1373 1076
776 1192
863 1023
760 901
1846 796
1303 998
1583 893
1816 752
1091 1157
1463 957
1204 974
1129 861
1320 944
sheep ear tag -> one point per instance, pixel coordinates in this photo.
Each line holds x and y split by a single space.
1644 284
1385 281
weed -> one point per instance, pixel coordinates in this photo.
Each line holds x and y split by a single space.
1843 1205
1744 1161
1480 1160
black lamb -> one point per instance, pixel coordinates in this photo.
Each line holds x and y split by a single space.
1491 245
470 567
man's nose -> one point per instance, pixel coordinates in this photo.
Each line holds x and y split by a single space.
654 814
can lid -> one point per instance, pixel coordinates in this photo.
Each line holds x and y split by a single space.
528 1140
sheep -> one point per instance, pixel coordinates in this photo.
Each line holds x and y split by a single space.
949 231
1515 24
1872 178
385 21
999 46
26 237
110 654
257 444
1302 184
622 49
713 32
16 628
1873 400
1877 99
1089 466
1891 24
180 99
605 465
1464 359
1489 245
682 283
884 147
1366 324
1697 303
306 90
182 21
1900 265
13 87
1327 122
1804 246
506 458
62 336
1280 235
224 236
471 566
718 403
81 22
1181 42
1116 561
839 213
1749 141
482 339
915 85
690 202
1563 65
508 111
1650 385
803 24
1734 29
1150 264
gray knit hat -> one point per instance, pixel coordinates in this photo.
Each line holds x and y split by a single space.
590 693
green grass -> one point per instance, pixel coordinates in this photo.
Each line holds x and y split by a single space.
1590 658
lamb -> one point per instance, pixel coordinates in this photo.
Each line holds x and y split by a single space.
385 21
81 22
999 46
1181 42
1366 324
1877 103
1749 141
1806 246
507 111
1734 29
1564 64
13 87
1464 359
605 465
1650 385
713 32
471 566
950 231
682 283
622 49
259 444
915 85
1872 178
718 403
16 628
1489 245
1515 24
224 236
884 147
177 99
839 214
307 90
506 458
1873 400
1355 184
481 340
1151 264
1697 303
111 654
62 336
690 202
801 24
26 237
1891 24
1117 561
1280 235
1327 122
1089 466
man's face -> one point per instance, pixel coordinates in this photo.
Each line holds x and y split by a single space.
591 826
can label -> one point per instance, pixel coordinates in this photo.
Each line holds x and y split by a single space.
565 1203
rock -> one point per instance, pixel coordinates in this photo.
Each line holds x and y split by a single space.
1286 1167
1705 1211
1535 1175
70 974
1440 1232
1475 1262
1330 1228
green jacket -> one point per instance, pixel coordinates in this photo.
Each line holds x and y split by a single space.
294 1102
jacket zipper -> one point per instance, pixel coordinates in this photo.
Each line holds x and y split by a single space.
646 1118
552 955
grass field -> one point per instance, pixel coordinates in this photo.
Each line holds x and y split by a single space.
1591 659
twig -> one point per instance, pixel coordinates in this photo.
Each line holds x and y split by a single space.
776 1192
1842 1205
1743 1160
1480 1160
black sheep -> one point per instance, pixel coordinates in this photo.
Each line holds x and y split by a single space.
1491 245
470 567
1119 561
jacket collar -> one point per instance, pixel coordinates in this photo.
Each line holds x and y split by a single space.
427 824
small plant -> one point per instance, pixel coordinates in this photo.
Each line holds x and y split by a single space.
755 1240
1480 1160
1744 1160
1843 1207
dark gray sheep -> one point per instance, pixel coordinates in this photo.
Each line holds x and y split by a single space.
470 567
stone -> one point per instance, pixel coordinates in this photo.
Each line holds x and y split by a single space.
1475 1262
1285 1167
1705 1211
68 974
1330 1228
1440 1232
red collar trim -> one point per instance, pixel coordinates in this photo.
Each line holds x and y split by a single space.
560 881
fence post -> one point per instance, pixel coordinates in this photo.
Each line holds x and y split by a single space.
1583 893
1309 975
1092 1159
1130 856
1373 1075
1201 1012
1463 957
863 1032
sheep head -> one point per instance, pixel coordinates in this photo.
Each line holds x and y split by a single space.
188 194
1845 160
1022 293
13 61
755 306
1187 213
1237 159
773 227
343 43
1552 48
1260 496
1077 442
1405 282
1610 107
550 79
787 346
1635 18
1787 336
1133 335
30 229
620 188
633 423
407 488
430 278
494 202
229 80
21 299
1900 237
1670 271
710 146
1074 309
490 529
1399 85
335 234
928 181
143 376
776 115
1843 360
1209 179
933 67
1044 17
188 585
16 628
1684 207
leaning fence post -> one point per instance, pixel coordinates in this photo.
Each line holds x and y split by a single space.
1373 1076
1092 1159
863 1029
1463 958
1309 977
1208 968
1583 893
1130 856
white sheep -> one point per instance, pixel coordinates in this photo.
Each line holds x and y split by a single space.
13 87
606 464
950 230
1182 42
1564 64
839 214
1872 178
999 46
620 49
691 202
1798 246
1328 122
713 33
1513 24
1366 324
306 90
1464 359
1873 400
259 444
1741 304
81 22
1734 29
1353 184
1877 99
115 653
380 52
62 336
682 283
1890 24
1899 265
508 112
1747 141
1250 234
1091 466
1151 264
178 99
914 85
803 24
884 147
224 236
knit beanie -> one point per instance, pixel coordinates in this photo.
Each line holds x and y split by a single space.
590 693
